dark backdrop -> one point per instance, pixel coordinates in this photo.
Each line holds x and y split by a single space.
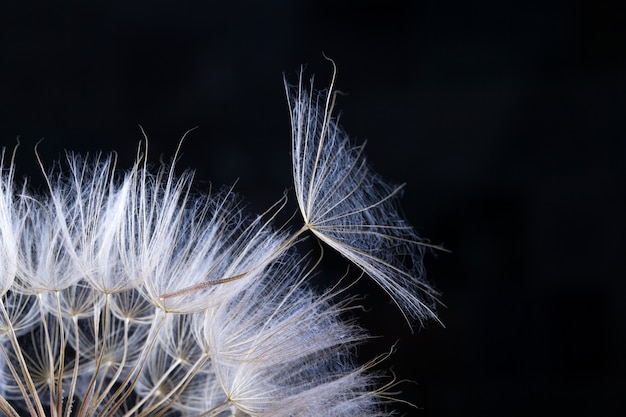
506 123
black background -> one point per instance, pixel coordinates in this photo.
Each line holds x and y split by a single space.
506 122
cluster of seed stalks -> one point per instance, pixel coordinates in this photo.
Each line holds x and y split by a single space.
125 294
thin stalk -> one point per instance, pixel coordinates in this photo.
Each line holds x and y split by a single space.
175 391
75 371
157 385
49 351
20 385
62 343
86 404
20 358
127 386
103 393
216 410
6 408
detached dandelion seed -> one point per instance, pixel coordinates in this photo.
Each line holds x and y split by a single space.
350 207
123 293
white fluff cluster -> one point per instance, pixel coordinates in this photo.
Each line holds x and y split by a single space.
351 208
125 294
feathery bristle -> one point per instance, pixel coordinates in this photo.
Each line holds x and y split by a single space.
351 208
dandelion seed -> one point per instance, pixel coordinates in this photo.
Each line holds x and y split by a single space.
350 207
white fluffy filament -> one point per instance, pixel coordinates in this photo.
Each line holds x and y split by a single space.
350 207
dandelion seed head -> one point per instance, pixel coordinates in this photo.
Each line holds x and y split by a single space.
124 293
